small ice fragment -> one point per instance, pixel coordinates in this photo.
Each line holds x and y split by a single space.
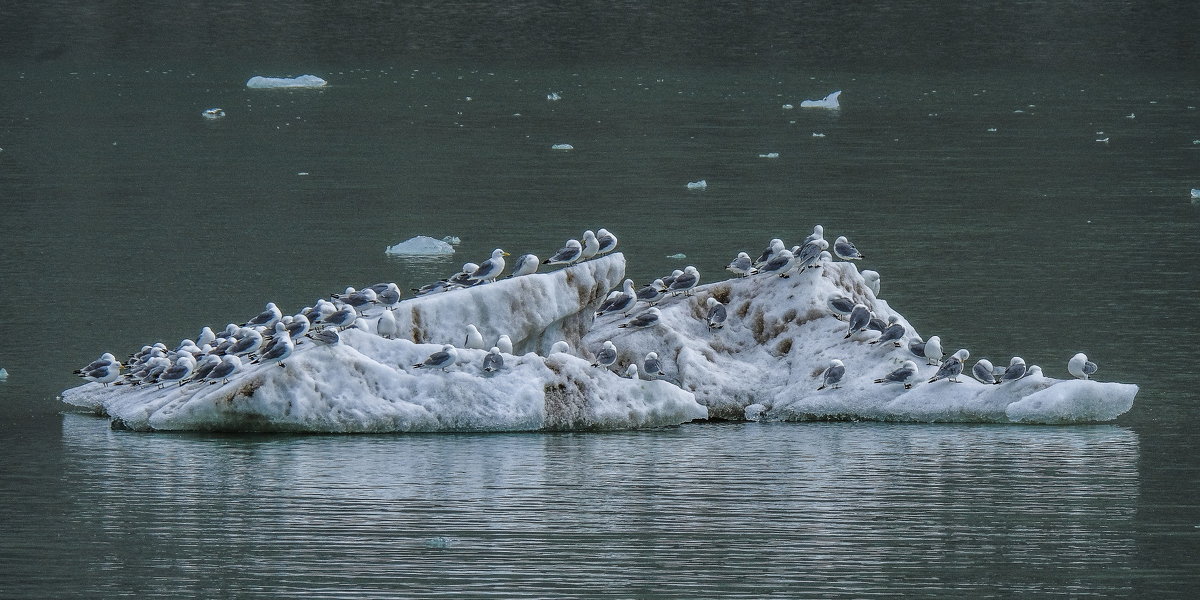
553 97
453 240
1130 116
815 134
1102 140
213 113
1195 194
830 101
677 255
3 374
1018 111
754 412
698 185
992 130
769 155
562 147
421 245
259 82
788 107
302 173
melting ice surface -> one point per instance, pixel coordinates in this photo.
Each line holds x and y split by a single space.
259 82
764 363
423 245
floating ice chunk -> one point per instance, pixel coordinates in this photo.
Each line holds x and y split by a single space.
1195 194
830 101
1102 140
213 113
258 82
562 147
453 240
992 130
754 412
769 155
788 107
818 134
553 97
677 255
698 185
421 245
3 374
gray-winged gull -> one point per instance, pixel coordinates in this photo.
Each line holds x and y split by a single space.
493 361
906 374
648 318
843 249
860 316
606 356
565 255
491 268
717 313
526 264
741 265
1016 370
832 375
442 359
1081 367
984 371
685 282
652 367
608 241
952 367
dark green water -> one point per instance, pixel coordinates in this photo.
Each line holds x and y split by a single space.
129 219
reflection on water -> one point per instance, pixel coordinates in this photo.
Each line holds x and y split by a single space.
745 510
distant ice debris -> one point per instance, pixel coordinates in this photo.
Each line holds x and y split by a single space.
562 147
698 185
992 130
553 97
769 155
677 255
453 240
421 245
1195 194
818 134
213 113
1102 140
788 107
830 101
258 82
3 374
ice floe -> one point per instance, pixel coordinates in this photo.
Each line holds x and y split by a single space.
403 365
422 245
698 185
3 374
562 147
830 101
259 82
213 113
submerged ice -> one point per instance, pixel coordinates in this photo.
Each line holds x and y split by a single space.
795 335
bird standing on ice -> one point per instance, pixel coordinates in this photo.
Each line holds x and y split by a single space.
607 355
565 255
493 361
526 264
441 359
685 282
608 241
590 245
1081 367
984 372
652 367
490 269
843 249
906 374
1016 370
951 367
741 265
717 313
474 339
832 375
644 320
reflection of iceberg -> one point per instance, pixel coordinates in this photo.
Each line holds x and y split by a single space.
422 245
259 82
830 101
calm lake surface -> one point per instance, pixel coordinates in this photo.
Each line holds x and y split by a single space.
968 170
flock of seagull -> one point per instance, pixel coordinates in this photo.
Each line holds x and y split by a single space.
272 337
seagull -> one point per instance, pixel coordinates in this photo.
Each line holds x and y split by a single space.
952 367
590 245
652 293
281 347
843 249
386 325
474 339
832 375
984 372
841 306
607 355
526 264
1081 367
103 374
810 253
780 263
645 319
490 269
267 317
105 360
906 374
772 249
439 360
872 280
1016 370
741 265
565 255
892 333
504 343
608 241
229 365
299 325
359 300
342 318
716 313
250 341
326 337
685 282
652 366
817 234
631 371
389 298
463 277
183 367
206 337
621 301
1032 371
933 350
205 366
493 361
669 279
860 316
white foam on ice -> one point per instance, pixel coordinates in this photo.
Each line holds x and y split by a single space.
421 245
258 82
830 101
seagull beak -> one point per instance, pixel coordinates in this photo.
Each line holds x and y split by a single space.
505 254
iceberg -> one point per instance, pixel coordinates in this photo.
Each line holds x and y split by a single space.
698 185
763 362
422 245
562 147
3 374
830 101
1195 194
213 113
258 82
